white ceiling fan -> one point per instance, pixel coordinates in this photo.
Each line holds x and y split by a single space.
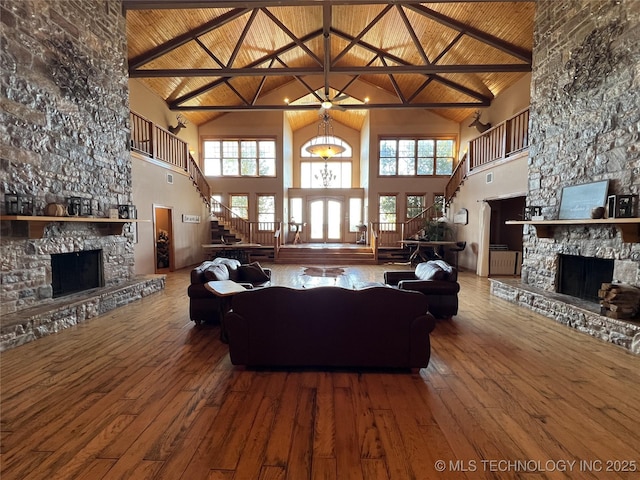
323 105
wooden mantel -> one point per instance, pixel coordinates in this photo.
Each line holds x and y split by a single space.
629 227
36 224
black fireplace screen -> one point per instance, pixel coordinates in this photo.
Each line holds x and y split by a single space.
75 272
582 277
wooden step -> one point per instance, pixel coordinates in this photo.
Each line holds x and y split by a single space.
314 255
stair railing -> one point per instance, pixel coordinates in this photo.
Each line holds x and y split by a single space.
390 234
456 179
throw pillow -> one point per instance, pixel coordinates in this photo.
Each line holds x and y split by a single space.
252 273
216 272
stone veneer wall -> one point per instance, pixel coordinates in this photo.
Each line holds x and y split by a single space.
584 127
64 130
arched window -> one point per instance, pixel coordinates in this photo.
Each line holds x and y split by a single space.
335 140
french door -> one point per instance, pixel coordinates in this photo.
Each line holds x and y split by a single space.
325 219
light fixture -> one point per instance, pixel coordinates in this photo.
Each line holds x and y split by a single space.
325 147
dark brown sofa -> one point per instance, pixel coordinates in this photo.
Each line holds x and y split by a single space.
436 280
204 306
378 327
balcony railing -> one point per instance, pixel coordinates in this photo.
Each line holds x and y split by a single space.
159 144
497 143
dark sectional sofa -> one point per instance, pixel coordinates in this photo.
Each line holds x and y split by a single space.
329 327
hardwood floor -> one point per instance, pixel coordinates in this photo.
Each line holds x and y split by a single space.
143 393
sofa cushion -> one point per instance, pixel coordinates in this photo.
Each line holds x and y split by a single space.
252 273
216 272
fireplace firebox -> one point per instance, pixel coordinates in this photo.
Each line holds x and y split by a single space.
582 277
75 272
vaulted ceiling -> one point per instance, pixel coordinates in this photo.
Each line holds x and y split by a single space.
207 58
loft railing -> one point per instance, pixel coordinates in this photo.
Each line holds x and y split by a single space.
249 231
159 144
497 143
500 141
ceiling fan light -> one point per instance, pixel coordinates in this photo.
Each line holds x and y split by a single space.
326 104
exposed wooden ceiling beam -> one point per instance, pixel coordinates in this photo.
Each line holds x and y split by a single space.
351 70
345 106
186 37
191 4
484 37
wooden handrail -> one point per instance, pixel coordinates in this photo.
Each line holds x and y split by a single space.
456 179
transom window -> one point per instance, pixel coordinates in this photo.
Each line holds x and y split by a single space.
416 156
240 158
311 174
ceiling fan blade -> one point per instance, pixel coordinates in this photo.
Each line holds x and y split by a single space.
344 96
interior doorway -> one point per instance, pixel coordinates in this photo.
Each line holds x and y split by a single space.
325 219
163 239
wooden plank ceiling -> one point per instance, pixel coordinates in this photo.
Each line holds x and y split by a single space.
206 58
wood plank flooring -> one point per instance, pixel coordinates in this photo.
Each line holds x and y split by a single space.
143 393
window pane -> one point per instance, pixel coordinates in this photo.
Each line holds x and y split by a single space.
388 166
212 167
444 166
355 214
296 210
426 148
387 212
230 166
406 166
415 205
211 149
249 149
345 175
305 174
425 166
445 148
267 167
249 166
388 148
230 149
240 206
267 149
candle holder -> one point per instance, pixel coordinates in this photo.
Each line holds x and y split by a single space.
19 204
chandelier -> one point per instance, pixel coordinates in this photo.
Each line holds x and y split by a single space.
325 147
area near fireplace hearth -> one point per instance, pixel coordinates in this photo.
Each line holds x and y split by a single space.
583 128
68 100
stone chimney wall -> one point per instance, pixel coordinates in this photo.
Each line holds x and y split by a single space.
65 132
584 127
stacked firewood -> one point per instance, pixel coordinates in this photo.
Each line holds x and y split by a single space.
619 301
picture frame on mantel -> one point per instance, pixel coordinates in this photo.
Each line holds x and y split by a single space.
578 201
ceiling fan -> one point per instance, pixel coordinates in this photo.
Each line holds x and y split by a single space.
326 104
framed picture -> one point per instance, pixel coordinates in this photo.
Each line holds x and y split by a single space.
620 206
578 200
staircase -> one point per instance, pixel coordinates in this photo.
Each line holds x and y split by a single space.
220 234
326 254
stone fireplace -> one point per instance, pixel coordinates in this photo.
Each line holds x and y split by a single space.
584 127
76 272
65 134
582 277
